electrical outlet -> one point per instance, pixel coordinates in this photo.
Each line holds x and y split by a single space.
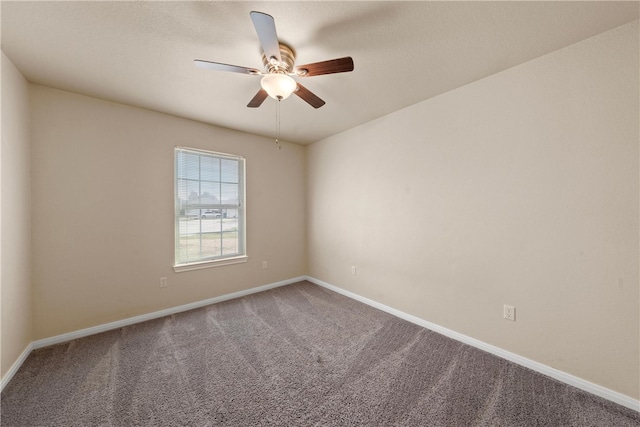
509 312
353 270
163 282
264 265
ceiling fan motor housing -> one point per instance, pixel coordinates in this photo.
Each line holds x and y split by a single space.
288 56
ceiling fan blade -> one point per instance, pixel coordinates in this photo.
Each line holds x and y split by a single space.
266 28
258 99
340 65
225 67
309 96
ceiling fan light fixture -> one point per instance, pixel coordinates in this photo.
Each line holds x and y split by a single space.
278 86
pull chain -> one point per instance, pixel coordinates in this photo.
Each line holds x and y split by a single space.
278 124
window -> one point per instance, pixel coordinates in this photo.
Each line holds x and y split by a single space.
209 209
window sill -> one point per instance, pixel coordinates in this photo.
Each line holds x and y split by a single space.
209 264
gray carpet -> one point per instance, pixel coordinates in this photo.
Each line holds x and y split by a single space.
298 355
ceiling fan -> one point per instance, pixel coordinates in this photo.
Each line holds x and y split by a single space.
279 60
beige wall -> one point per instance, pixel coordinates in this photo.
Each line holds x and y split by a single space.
15 229
103 211
519 189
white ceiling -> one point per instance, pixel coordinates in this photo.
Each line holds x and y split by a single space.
141 53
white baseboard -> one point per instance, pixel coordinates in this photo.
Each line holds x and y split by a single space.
59 339
16 365
564 377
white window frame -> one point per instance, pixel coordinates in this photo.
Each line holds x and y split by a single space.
213 261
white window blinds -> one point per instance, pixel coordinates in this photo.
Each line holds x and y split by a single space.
209 206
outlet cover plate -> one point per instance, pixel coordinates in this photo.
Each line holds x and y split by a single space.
509 312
